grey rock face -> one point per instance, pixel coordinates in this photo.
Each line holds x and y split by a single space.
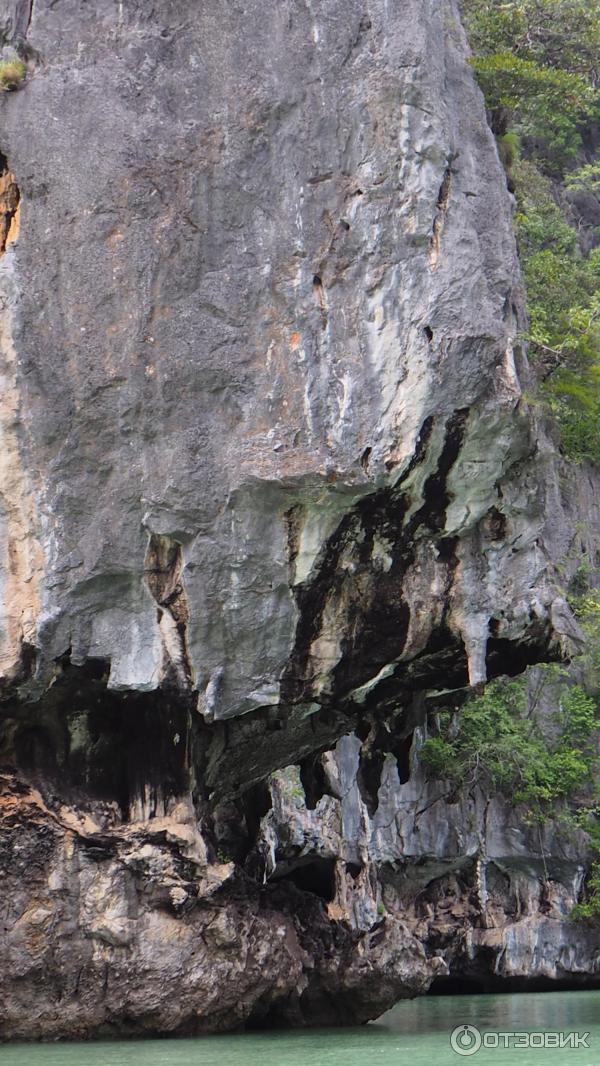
267 472
258 310
487 895
131 929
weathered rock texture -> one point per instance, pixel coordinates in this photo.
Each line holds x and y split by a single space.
488 896
267 476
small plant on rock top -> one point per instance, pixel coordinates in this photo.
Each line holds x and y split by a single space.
12 73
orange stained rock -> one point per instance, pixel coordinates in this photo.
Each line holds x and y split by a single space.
9 210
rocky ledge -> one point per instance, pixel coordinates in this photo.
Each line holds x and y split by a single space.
268 479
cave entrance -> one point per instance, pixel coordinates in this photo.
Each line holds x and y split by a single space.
128 747
402 752
488 983
315 875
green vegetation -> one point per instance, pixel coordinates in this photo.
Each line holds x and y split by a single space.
564 34
587 609
589 908
500 744
585 179
586 606
505 741
12 73
538 63
563 289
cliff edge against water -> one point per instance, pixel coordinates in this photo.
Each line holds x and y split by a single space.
268 480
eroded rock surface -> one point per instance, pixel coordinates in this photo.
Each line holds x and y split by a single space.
261 313
488 895
268 476
129 929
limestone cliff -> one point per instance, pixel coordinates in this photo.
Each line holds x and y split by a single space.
268 476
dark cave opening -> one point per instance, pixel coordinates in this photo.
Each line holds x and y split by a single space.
402 749
489 984
314 780
85 738
507 658
315 875
233 828
496 524
368 777
255 803
442 664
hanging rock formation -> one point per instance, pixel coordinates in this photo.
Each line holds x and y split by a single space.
268 476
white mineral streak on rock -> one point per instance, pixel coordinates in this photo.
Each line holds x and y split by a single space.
21 556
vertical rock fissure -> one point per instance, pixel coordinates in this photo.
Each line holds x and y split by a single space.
443 203
163 569
10 200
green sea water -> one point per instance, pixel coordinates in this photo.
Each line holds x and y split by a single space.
416 1033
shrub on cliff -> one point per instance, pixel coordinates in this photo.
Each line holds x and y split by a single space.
564 34
589 907
563 290
12 73
538 63
500 744
547 763
545 104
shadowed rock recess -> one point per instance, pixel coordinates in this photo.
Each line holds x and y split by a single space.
267 480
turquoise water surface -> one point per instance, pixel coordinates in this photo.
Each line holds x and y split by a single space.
415 1032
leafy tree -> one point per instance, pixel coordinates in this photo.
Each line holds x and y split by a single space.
538 62
589 908
563 290
500 744
543 103
584 179
564 34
